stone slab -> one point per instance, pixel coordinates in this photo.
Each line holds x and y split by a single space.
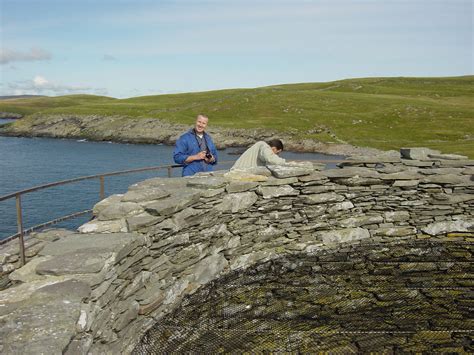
141 195
206 182
176 202
92 243
87 262
287 171
45 322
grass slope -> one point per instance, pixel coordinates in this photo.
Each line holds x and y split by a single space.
385 113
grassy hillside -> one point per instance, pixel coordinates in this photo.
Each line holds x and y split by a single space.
385 113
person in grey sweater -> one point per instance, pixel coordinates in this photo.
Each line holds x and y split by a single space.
261 154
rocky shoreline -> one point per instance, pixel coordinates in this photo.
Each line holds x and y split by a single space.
121 129
10 116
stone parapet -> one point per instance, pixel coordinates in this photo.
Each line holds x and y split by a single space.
105 285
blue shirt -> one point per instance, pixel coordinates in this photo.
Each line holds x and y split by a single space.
188 145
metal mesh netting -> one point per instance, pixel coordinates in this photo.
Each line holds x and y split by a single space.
405 297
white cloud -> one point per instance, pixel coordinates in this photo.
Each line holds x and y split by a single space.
39 85
40 81
34 54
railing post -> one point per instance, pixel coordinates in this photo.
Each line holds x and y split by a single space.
19 222
102 188
169 171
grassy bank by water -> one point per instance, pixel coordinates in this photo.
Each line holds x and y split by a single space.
384 113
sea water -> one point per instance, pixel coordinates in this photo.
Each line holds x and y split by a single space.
29 162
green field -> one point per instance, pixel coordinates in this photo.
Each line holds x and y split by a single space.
385 113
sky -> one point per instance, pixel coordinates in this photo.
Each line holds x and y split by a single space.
128 48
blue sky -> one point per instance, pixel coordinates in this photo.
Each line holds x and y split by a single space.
126 48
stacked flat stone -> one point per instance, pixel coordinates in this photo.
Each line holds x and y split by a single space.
100 289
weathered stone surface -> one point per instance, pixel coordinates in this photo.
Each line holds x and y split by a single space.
45 322
96 226
282 181
418 153
212 192
106 202
323 198
87 262
442 171
438 228
268 234
360 221
351 172
249 175
456 163
176 291
218 230
240 186
152 305
174 240
286 171
142 220
395 231
188 255
396 216
209 268
319 189
176 183
237 202
206 182
27 272
93 243
451 199
406 183
341 206
190 217
359 181
50 235
271 192
451 179
176 202
447 156
137 283
120 210
403 175
313 177
243 261
125 318
419 163
345 235
145 195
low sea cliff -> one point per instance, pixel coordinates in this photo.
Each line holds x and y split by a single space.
122 129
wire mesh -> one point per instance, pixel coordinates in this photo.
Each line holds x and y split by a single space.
410 297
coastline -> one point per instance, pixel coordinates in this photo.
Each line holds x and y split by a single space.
119 129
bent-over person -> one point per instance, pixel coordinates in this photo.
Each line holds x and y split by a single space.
261 154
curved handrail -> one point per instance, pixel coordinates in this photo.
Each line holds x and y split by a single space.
17 195
89 177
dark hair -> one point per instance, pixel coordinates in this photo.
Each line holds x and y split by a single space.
276 143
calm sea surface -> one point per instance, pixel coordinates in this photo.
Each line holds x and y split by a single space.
28 162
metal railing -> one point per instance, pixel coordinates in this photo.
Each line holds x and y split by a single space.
18 194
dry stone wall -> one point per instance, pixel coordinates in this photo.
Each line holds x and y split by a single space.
99 290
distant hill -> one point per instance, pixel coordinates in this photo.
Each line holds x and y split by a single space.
20 97
384 113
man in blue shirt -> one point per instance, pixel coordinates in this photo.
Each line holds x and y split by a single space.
195 149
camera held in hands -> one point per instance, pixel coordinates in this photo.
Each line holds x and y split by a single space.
208 154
